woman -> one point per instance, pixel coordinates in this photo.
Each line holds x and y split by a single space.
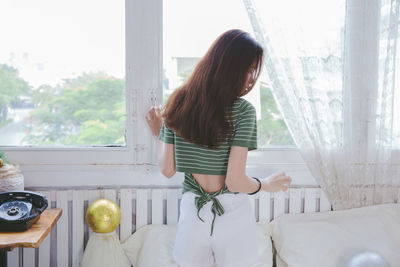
206 131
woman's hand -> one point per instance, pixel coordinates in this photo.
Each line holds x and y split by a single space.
276 182
154 120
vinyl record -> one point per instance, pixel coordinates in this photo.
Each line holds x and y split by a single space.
14 210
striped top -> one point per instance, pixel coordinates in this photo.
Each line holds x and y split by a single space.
192 158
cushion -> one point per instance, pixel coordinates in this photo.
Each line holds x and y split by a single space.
152 246
332 238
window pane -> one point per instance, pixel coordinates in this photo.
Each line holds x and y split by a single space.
189 28
388 108
62 73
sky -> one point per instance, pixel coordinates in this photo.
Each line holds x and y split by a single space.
48 40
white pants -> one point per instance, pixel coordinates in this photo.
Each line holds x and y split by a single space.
234 240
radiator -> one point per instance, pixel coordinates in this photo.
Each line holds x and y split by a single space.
64 246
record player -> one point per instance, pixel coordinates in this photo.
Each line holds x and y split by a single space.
20 209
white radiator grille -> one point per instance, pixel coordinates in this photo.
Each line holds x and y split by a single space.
64 246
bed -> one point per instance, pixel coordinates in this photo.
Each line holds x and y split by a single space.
158 208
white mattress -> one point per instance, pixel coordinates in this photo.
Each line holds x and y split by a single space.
330 239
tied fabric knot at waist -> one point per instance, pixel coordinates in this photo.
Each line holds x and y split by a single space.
203 197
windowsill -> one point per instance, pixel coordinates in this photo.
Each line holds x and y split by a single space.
115 167
149 175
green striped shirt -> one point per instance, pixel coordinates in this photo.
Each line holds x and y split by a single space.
192 158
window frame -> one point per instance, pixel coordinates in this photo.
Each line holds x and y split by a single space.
144 47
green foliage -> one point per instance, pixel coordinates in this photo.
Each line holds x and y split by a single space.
87 110
272 129
11 85
44 97
90 110
11 88
3 157
4 123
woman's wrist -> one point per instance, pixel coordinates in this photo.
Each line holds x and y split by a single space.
155 135
259 186
155 131
265 185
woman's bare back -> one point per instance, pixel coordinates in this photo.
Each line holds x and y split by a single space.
210 183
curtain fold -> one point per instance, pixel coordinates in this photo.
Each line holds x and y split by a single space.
332 71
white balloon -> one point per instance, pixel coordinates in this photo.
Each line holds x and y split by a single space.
367 259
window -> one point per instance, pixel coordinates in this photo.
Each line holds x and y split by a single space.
63 82
389 76
125 43
62 75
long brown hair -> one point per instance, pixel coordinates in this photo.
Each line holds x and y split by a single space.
196 111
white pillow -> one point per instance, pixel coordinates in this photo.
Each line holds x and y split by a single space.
331 238
152 246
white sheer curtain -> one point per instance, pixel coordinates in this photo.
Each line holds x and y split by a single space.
332 69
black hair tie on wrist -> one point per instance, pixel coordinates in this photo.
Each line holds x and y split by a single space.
259 186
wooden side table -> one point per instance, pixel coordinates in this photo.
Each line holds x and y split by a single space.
31 238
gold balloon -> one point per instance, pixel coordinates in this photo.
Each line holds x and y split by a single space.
103 216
